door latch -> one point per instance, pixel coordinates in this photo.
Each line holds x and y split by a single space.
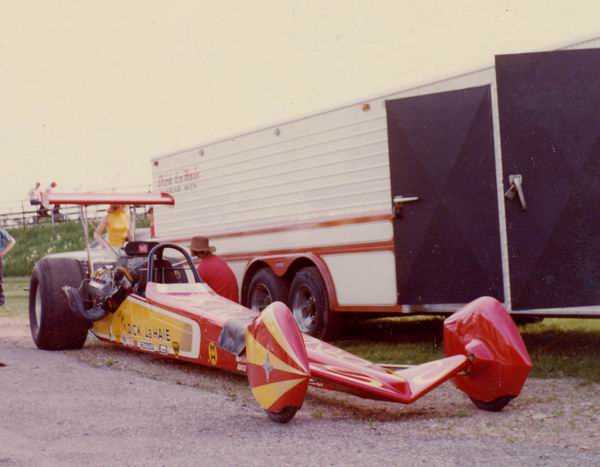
515 186
405 199
399 201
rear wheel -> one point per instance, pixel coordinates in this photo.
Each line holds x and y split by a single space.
494 406
310 305
53 325
264 289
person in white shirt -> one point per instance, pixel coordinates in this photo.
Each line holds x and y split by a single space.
35 195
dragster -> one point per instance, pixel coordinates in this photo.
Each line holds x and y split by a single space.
146 299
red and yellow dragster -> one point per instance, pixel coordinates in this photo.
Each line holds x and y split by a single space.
147 300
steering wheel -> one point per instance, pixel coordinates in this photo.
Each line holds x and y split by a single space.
157 252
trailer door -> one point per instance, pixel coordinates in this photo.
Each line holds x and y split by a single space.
447 242
549 106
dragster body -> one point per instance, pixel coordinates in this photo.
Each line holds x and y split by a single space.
149 302
190 322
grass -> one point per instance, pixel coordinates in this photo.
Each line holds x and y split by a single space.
16 296
33 243
558 347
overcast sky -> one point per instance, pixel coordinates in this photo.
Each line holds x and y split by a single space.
90 91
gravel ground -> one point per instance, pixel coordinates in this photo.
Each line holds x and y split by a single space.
106 406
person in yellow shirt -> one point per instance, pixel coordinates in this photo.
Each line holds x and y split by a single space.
116 226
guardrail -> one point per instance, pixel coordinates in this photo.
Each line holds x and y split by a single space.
33 217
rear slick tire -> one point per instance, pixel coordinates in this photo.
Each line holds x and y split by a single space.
53 325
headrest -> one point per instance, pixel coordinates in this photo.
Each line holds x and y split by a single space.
139 248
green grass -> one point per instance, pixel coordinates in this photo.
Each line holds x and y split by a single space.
16 296
33 243
409 340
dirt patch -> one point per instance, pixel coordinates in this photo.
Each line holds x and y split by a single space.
563 412
127 401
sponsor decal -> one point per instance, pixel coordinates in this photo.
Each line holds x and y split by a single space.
151 328
212 353
147 346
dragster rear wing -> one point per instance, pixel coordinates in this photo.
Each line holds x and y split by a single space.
89 199
83 200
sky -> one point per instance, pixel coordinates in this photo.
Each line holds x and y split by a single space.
91 91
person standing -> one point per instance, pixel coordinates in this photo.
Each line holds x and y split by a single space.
116 226
35 195
6 244
213 270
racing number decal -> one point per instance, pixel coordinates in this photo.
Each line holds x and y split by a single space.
212 353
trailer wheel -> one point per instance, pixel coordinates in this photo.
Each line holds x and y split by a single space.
53 325
494 406
266 288
310 305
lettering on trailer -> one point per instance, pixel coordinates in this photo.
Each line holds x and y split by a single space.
180 180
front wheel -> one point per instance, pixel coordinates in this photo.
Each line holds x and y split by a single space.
284 416
310 305
493 406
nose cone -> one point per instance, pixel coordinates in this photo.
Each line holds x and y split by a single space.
277 362
484 332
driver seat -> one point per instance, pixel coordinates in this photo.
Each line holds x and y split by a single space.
162 273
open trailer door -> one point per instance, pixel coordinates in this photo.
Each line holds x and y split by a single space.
549 105
446 233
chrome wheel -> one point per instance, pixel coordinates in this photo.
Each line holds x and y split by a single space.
38 307
261 297
304 309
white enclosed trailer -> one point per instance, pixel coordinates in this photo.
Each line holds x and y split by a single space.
413 202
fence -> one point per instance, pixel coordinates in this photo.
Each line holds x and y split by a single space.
29 215
32 217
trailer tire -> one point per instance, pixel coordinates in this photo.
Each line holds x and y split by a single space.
310 305
53 325
266 288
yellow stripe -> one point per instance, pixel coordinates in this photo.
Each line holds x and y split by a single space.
267 394
268 317
257 354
